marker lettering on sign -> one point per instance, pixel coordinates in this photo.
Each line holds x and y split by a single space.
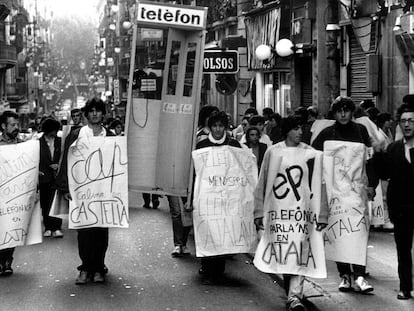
283 252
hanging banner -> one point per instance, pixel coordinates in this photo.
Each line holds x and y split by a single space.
223 201
346 236
20 216
98 183
292 200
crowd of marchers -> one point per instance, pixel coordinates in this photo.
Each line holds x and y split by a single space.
391 163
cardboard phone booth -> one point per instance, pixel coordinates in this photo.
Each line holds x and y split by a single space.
164 96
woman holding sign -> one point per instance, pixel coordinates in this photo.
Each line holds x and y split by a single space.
291 210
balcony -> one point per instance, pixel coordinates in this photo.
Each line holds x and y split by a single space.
8 55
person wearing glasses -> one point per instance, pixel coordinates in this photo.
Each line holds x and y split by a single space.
397 166
344 129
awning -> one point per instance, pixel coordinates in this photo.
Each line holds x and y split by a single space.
262 27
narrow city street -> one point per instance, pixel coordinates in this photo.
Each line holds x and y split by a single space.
142 274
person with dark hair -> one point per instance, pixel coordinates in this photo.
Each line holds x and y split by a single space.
397 166
92 242
117 127
258 121
267 112
205 113
239 131
252 141
9 122
303 114
292 133
373 113
212 268
274 130
76 116
366 104
344 129
50 150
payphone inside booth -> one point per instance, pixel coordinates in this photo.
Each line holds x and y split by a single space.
164 96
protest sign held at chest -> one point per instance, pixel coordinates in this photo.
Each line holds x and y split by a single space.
223 200
290 243
98 179
20 217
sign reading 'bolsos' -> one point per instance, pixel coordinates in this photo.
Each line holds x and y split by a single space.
169 15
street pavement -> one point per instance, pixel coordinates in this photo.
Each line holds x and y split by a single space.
144 276
383 275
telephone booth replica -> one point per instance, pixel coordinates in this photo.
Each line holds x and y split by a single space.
164 96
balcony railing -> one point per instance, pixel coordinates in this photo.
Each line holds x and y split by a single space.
8 55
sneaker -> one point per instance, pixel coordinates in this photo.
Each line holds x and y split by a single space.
7 269
57 234
388 227
98 277
185 251
82 278
362 285
295 305
176 252
47 234
345 285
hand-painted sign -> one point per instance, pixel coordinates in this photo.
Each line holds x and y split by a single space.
20 217
98 183
292 197
223 201
216 61
346 236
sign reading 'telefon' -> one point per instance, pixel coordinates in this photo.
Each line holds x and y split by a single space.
168 15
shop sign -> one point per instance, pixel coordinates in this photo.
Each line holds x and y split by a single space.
216 61
171 16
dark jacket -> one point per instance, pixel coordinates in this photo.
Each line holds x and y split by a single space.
46 173
262 151
394 166
62 183
352 132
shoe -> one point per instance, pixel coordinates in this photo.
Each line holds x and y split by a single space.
176 252
57 234
295 305
82 278
47 234
185 251
98 277
362 285
155 204
345 285
7 269
146 206
388 227
404 295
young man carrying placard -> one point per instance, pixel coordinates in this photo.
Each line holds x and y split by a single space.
291 210
350 181
92 242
